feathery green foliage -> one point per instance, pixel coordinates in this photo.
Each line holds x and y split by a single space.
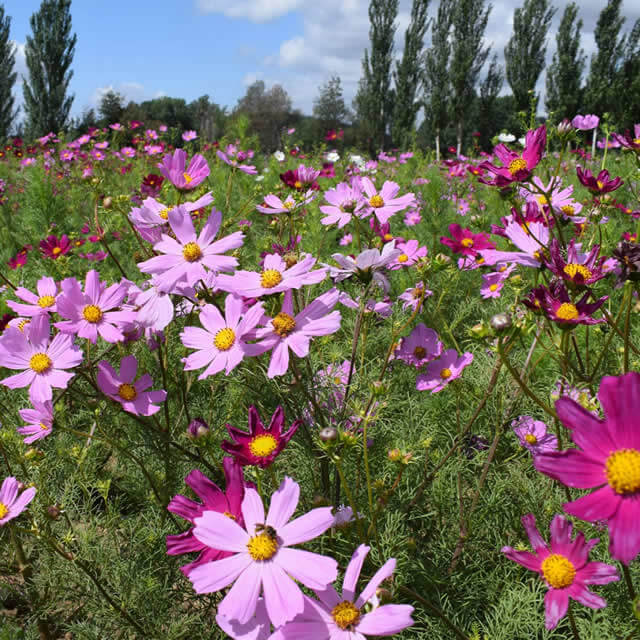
7 75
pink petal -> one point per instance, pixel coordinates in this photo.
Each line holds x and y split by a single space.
241 601
311 569
620 399
353 572
582 595
283 503
216 575
597 505
527 559
624 531
306 527
252 510
572 468
281 594
386 620
220 532
380 575
597 573
556 603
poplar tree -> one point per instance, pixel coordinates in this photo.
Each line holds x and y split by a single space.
374 101
468 56
526 50
437 83
564 76
7 76
601 91
329 107
408 75
626 111
49 54
489 89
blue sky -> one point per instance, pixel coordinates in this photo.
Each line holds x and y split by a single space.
187 48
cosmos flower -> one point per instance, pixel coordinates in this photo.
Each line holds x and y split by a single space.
345 201
245 168
128 391
39 421
557 305
222 343
190 135
564 567
439 373
411 297
598 185
629 141
52 247
534 435
273 204
43 302
156 214
579 269
411 253
585 123
263 560
184 178
367 266
335 617
465 242
607 458
420 347
12 505
301 179
226 502
532 239
43 362
385 203
261 445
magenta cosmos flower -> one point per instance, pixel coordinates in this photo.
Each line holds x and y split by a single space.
335 617
43 302
465 242
222 344
188 256
564 567
12 505
263 560
39 421
52 247
600 184
534 435
42 361
579 269
385 203
173 168
260 446
128 391
287 331
557 305
245 168
89 314
276 276
442 371
607 458
226 502
629 141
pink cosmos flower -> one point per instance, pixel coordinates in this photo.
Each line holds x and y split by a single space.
184 178
12 505
226 502
492 284
222 344
411 296
44 302
345 201
89 314
558 306
287 331
564 567
585 123
186 256
42 361
261 445
54 248
579 269
421 346
273 204
411 253
441 372
276 276
130 393
627 140
190 135
156 214
367 266
335 617
385 203
382 307
39 421
245 168
412 218
346 240
607 457
534 435
532 241
263 559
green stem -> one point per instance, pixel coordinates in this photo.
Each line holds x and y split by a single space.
572 622
629 582
627 324
352 503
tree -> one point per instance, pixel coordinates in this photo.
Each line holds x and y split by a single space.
329 107
7 76
468 56
490 87
375 101
49 53
600 92
208 117
627 112
525 52
437 83
111 106
564 76
408 75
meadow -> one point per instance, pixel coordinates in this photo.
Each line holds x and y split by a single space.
395 356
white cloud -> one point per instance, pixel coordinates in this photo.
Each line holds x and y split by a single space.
129 90
254 10
249 78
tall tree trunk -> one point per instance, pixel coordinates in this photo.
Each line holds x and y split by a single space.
438 146
459 137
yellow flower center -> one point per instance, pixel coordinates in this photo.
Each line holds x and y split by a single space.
517 165
416 293
283 324
4 510
376 202
229 515
263 445
387 237
270 278
568 210
572 270
187 178
636 141
164 214
297 184
623 471
46 301
43 426
558 571
420 352
22 324
92 313
224 339
493 287
56 251
127 391
262 547
191 252
543 200
345 614
467 242
445 373
531 439
403 257
40 362
567 311
289 204
600 184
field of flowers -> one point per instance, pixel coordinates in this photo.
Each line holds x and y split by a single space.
312 396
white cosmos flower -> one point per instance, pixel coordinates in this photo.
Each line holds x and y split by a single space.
506 137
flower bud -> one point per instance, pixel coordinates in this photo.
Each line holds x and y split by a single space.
501 322
54 511
107 202
197 428
394 455
565 127
329 434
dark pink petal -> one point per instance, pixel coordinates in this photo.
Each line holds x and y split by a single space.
207 491
556 603
183 543
572 468
597 573
527 559
624 531
529 524
588 432
597 505
620 399
185 508
582 595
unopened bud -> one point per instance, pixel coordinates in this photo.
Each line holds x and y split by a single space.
501 322
197 428
329 434
441 258
394 455
54 511
565 127
107 202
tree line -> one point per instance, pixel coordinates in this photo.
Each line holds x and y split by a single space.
429 96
